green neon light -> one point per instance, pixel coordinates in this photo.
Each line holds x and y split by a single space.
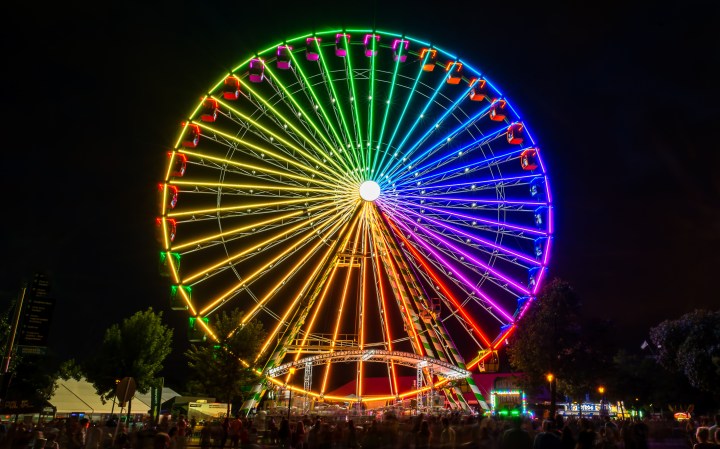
355 101
370 147
436 91
334 95
402 115
387 111
321 108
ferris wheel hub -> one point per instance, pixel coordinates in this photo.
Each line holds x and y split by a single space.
369 190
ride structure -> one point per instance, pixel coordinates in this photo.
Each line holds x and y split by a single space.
373 199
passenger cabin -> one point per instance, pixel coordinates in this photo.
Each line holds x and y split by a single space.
209 110
497 110
455 69
312 48
179 164
170 226
256 73
169 197
400 48
191 137
372 42
177 300
231 88
515 133
284 61
479 89
429 64
342 41
528 159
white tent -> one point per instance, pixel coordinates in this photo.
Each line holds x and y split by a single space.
72 396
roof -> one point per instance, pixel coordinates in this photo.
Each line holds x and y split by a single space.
80 396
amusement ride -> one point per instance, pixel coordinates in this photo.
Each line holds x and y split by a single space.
374 200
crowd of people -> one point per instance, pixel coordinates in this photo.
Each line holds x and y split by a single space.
452 431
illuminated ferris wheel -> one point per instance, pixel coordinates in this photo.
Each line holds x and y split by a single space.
374 200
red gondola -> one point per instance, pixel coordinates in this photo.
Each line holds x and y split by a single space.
528 159
497 110
515 133
170 225
191 138
169 197
429 64
179 163
209 110
479 89
231 89
455 69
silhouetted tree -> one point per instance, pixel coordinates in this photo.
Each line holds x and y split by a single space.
135 348
217 368
691 345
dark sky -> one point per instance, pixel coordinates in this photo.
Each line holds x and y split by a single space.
622 99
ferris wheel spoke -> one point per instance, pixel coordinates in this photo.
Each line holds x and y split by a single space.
264 150
290 273
247 280
445 140
291 150
354 100
459 278
399 120
296 301
428 173
449 110
337 106
257 246
464 237
455 307
329 124
435 239
372 148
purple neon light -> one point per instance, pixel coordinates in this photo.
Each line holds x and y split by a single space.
538 281
495 181
487 222
397 42
470 257
470 236
476 200
459 275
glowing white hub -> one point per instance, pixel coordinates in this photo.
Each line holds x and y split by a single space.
369 190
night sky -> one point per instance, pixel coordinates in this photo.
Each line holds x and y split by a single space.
623 101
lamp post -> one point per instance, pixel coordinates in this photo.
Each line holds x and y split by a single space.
601 390
292 372
553 385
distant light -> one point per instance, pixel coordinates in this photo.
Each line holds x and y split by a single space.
369 190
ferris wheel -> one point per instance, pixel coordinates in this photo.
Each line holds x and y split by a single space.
373 199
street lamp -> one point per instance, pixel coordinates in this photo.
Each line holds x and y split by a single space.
292 372
553 404
601 390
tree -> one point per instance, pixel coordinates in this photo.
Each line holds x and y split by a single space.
554 338
136 348
691 345
217 367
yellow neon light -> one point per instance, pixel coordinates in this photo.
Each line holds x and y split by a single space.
290 272
271 337
284 141
283 202
250 186
309 233
340 310
267 151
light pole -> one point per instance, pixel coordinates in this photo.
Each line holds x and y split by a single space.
553 405
601 390
292 372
